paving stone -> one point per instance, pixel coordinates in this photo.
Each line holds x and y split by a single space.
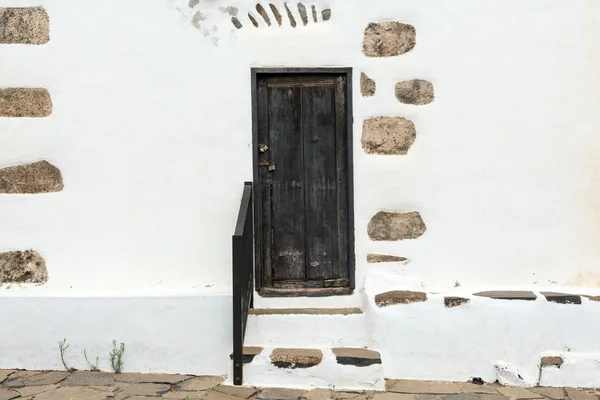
550 392
242 392
45 378
18 378
184 395
4 373
474 396
200 383
73 392
88 378
33 390
578 394
279 394
214 395
327 394
427 397
143 389
431 387
8 394
394 396
515 393
468 387
151 378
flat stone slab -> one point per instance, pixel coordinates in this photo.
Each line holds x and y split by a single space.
384 258
150 378
242 392
359 357
516 393
305 311
279 394
327 394
508 294
395 396
296 358
214 395
88 378
27 391
177 395
200 383
417 387
143 389
474 396
34 378
5 373
8 394
578 394
550 392
467 387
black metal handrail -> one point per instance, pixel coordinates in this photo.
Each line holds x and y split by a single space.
243 286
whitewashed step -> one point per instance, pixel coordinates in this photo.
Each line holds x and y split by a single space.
306 368
307 328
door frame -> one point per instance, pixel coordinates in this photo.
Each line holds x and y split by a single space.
258 265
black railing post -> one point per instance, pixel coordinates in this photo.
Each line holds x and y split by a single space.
243 282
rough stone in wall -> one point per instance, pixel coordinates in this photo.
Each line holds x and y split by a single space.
367 85
451 302
25 102
399 297
22 267
387 39
391 226
548 361
388 135
416 91
24 25
383 258
38 177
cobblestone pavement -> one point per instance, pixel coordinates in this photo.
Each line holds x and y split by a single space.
85 385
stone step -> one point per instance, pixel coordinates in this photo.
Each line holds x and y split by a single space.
305 311
307 327
340 367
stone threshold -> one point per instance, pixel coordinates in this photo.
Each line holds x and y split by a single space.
305 311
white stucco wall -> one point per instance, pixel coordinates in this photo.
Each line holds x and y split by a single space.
152 130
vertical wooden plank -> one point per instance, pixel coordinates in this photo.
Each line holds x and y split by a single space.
341 268
264 183
318 116
287 203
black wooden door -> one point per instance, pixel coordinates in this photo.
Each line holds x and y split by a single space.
303 177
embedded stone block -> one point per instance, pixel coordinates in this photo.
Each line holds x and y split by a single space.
562 298
296 358
37 177
416 91
24 25
391 226
384 258
399 297
387 39
22 267
367 85
388 135
548 361
451 302
358 357
25 102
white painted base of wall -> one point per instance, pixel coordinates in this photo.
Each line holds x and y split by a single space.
190 332
169 332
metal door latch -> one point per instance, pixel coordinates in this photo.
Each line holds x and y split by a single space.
263 147
269 164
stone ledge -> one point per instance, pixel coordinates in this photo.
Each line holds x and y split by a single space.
356 356
305 311
24 25
548 361
296 358
250 352
25 102
37 177
507 294
399 297
384 258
